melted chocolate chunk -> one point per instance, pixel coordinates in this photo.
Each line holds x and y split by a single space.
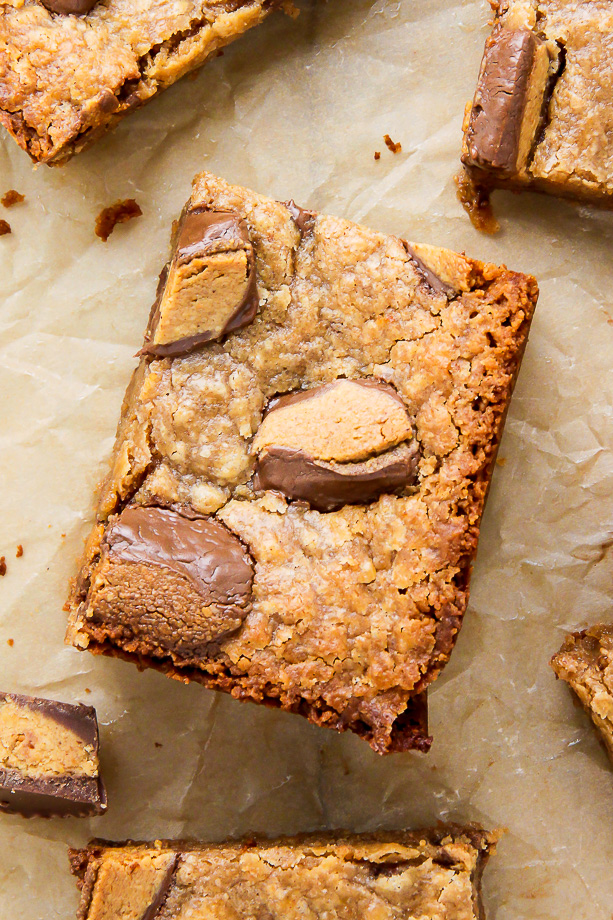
201 549
496 118
304 220
329 486
66 7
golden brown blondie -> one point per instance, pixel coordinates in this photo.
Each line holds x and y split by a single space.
585 662
542 116
71 69
302 464
433 874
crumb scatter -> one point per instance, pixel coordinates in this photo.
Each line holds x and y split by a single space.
117 213
11 197
394 146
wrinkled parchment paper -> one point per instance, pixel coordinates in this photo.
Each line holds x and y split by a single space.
297 109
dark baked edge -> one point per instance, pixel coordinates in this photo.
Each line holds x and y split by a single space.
412 725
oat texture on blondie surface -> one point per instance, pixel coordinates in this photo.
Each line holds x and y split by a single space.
302 463
432 874
542 115
71 69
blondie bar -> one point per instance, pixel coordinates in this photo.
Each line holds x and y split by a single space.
542 116
49 758
71 69
302 464
430 874
585 662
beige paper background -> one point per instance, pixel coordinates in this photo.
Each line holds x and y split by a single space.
297 109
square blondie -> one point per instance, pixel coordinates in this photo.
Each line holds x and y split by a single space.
302 463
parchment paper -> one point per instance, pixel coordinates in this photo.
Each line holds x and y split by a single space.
297 109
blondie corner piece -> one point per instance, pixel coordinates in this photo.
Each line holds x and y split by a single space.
302 464
49 758
585 662
431 873
71 69
542 116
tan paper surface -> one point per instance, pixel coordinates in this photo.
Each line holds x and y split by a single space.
297 109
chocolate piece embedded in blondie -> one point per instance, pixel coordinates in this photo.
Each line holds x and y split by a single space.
542 116
585 662
428 874
49 758
71 69
302 464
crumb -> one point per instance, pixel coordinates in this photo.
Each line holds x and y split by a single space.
157 744
377 154
117 213
11 197
5 227
392 145
19 551
10 642
63 536
2 565
87 690
220 52
500 461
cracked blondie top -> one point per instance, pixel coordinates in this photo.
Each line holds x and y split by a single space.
70 69
585 662
431 874
302 463
542 116
49 758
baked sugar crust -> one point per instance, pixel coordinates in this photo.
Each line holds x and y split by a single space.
353 612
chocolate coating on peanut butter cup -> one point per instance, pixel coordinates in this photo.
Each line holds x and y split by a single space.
496 118
345 442
76 717
42 797
203 231
432 280
202 234
67 7
201 549
329 486
304 219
